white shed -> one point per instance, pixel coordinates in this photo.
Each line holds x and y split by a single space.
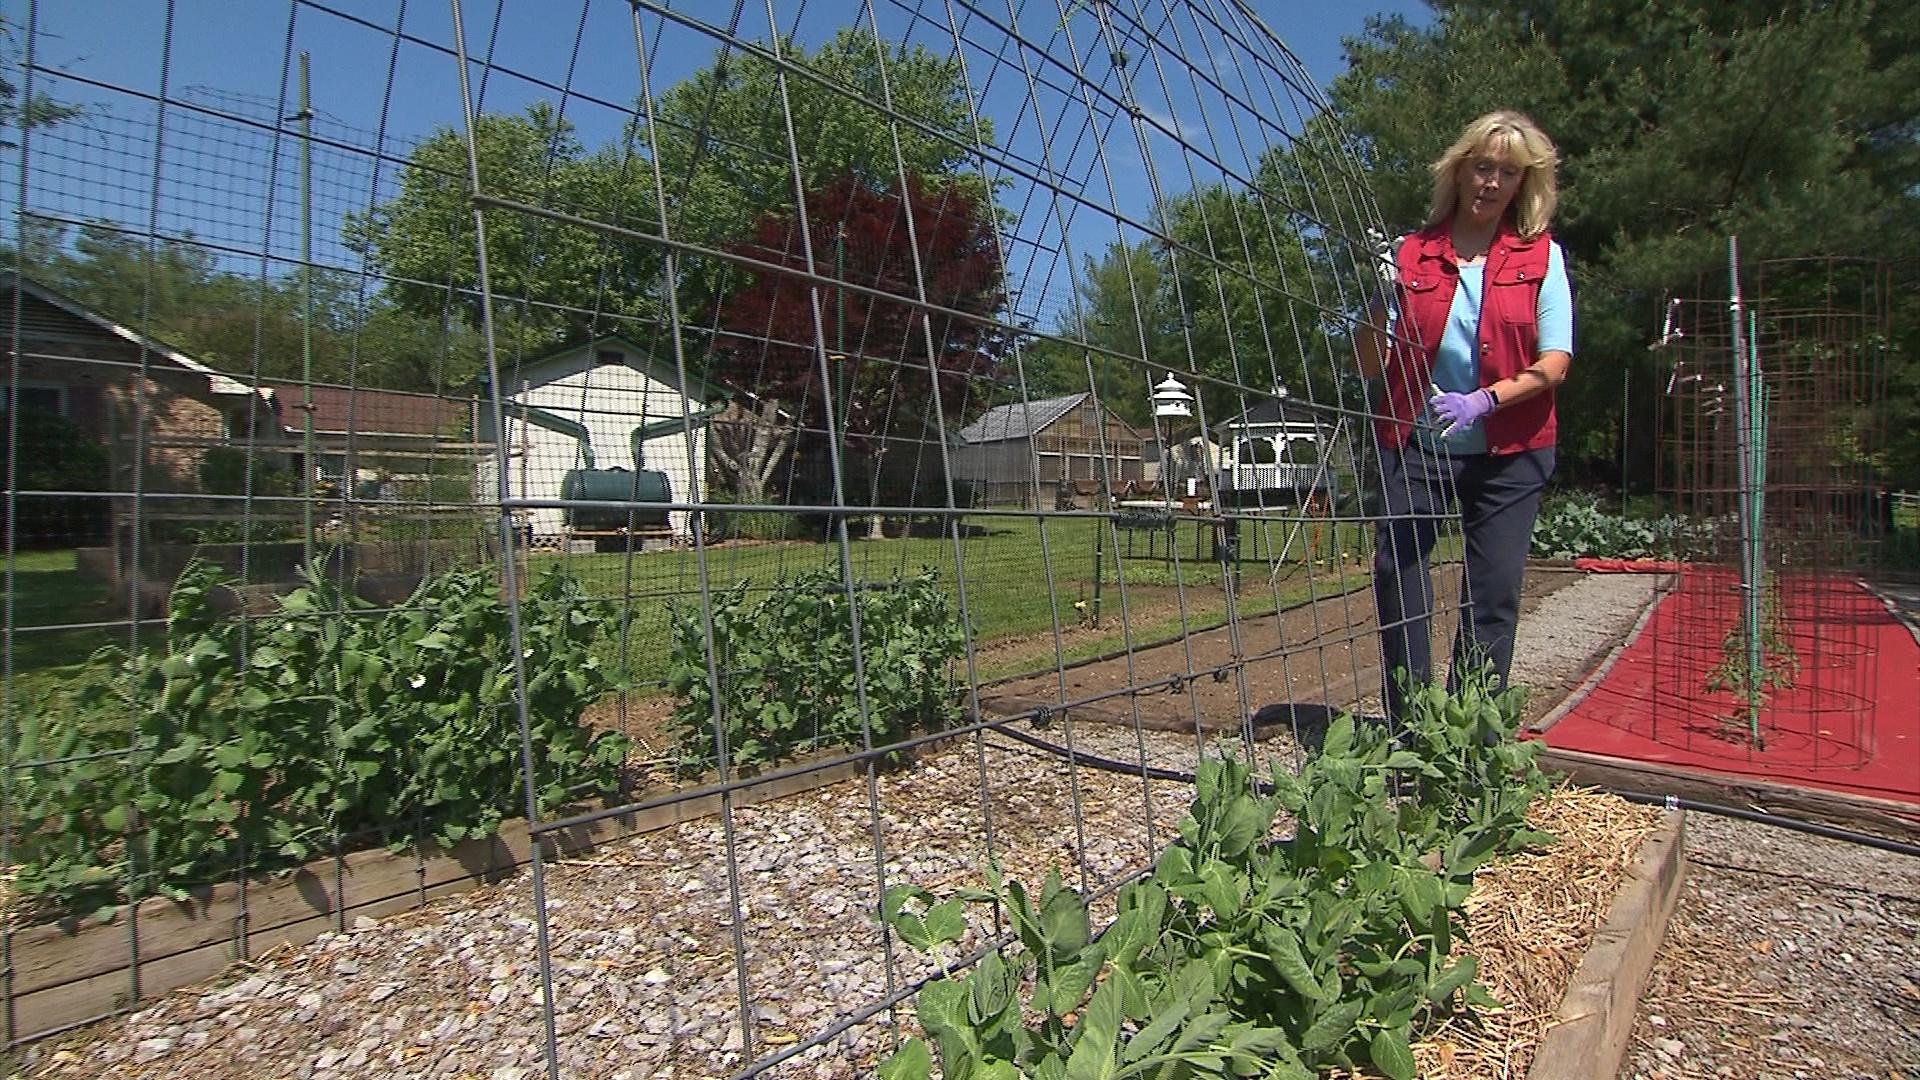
604 405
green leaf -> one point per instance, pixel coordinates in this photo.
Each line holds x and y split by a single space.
1478 997
1283 950
1063 917
910 1062
1392 1053
1061 991
939 924
1148 1040
991 988
1420 893
1339 738
943 1011
1096 1039
1332 1027
1453 978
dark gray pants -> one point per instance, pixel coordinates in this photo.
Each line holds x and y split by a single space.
1499 496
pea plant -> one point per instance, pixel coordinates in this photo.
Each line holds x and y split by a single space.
786 668
234 745
1243 954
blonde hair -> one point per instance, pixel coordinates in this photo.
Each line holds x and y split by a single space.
1512 137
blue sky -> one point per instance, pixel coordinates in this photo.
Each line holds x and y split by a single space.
233 56
240 44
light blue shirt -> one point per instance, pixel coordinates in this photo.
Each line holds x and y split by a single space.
1456 367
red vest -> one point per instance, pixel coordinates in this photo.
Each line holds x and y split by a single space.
1509 334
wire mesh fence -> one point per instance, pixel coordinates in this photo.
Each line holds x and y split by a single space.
500 412
1769 445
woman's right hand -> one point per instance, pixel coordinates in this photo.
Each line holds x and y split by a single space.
1384 248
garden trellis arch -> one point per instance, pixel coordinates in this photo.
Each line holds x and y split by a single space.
560 418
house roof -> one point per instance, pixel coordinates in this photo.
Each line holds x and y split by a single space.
1019 419
338 410
217 383
636 355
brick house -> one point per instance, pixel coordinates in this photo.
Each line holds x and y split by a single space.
152 409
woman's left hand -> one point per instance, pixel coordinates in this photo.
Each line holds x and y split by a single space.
1458 411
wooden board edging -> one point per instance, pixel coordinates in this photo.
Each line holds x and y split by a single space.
1898 820
1588 1037
63 975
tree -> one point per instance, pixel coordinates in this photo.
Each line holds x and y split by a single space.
552 281
1791 123
722 134
18 112
721 144
174 291
1223 295
885 357
1248 295
1123 303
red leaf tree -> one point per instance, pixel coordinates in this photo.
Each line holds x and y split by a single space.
884 352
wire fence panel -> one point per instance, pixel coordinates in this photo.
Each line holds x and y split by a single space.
729 460
1769 446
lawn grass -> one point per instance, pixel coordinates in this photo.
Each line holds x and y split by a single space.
1022 577
46 589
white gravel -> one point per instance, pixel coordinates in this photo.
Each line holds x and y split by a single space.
1789 956
647 981
1573 624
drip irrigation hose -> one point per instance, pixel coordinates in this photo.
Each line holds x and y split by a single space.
1151 772
1814 828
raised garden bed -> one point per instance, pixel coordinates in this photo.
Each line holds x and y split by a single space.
642 930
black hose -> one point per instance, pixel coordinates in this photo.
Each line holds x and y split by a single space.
1151 772
1814 828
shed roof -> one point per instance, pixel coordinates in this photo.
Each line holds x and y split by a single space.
1019 419
539 369
1272 412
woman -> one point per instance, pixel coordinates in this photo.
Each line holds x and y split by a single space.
1478 333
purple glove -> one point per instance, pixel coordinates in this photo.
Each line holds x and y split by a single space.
1458 411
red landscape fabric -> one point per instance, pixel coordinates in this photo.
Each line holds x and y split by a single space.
1653 705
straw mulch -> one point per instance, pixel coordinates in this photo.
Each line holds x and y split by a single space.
1530 918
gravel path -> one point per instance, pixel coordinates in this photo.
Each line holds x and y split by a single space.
1561 640
1789 956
